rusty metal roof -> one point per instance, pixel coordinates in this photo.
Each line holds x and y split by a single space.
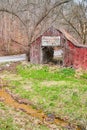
71 38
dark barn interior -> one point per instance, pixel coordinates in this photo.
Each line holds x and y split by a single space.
47 53
48 56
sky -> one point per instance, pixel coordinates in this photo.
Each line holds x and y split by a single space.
77 1
85 1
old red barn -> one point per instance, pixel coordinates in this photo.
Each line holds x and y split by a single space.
58 46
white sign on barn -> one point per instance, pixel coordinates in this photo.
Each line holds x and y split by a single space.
51 41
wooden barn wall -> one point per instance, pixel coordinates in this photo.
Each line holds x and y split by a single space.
52 32
35 51
75 56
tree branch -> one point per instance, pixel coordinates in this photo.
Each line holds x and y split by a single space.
11 12
47 13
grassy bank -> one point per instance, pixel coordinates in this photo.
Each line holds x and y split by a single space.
61 91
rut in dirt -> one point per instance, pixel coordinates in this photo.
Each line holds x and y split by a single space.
50 119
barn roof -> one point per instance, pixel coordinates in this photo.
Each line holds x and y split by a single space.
72 39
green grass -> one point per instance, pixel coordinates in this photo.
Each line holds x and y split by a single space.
6 120
53 90
44 73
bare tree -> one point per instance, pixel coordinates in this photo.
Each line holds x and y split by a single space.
75 19
27 17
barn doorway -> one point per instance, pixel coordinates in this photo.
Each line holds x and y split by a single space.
47 53
51 50
53 55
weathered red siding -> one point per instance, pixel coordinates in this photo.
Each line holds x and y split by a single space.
76 56
35 51
52 32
